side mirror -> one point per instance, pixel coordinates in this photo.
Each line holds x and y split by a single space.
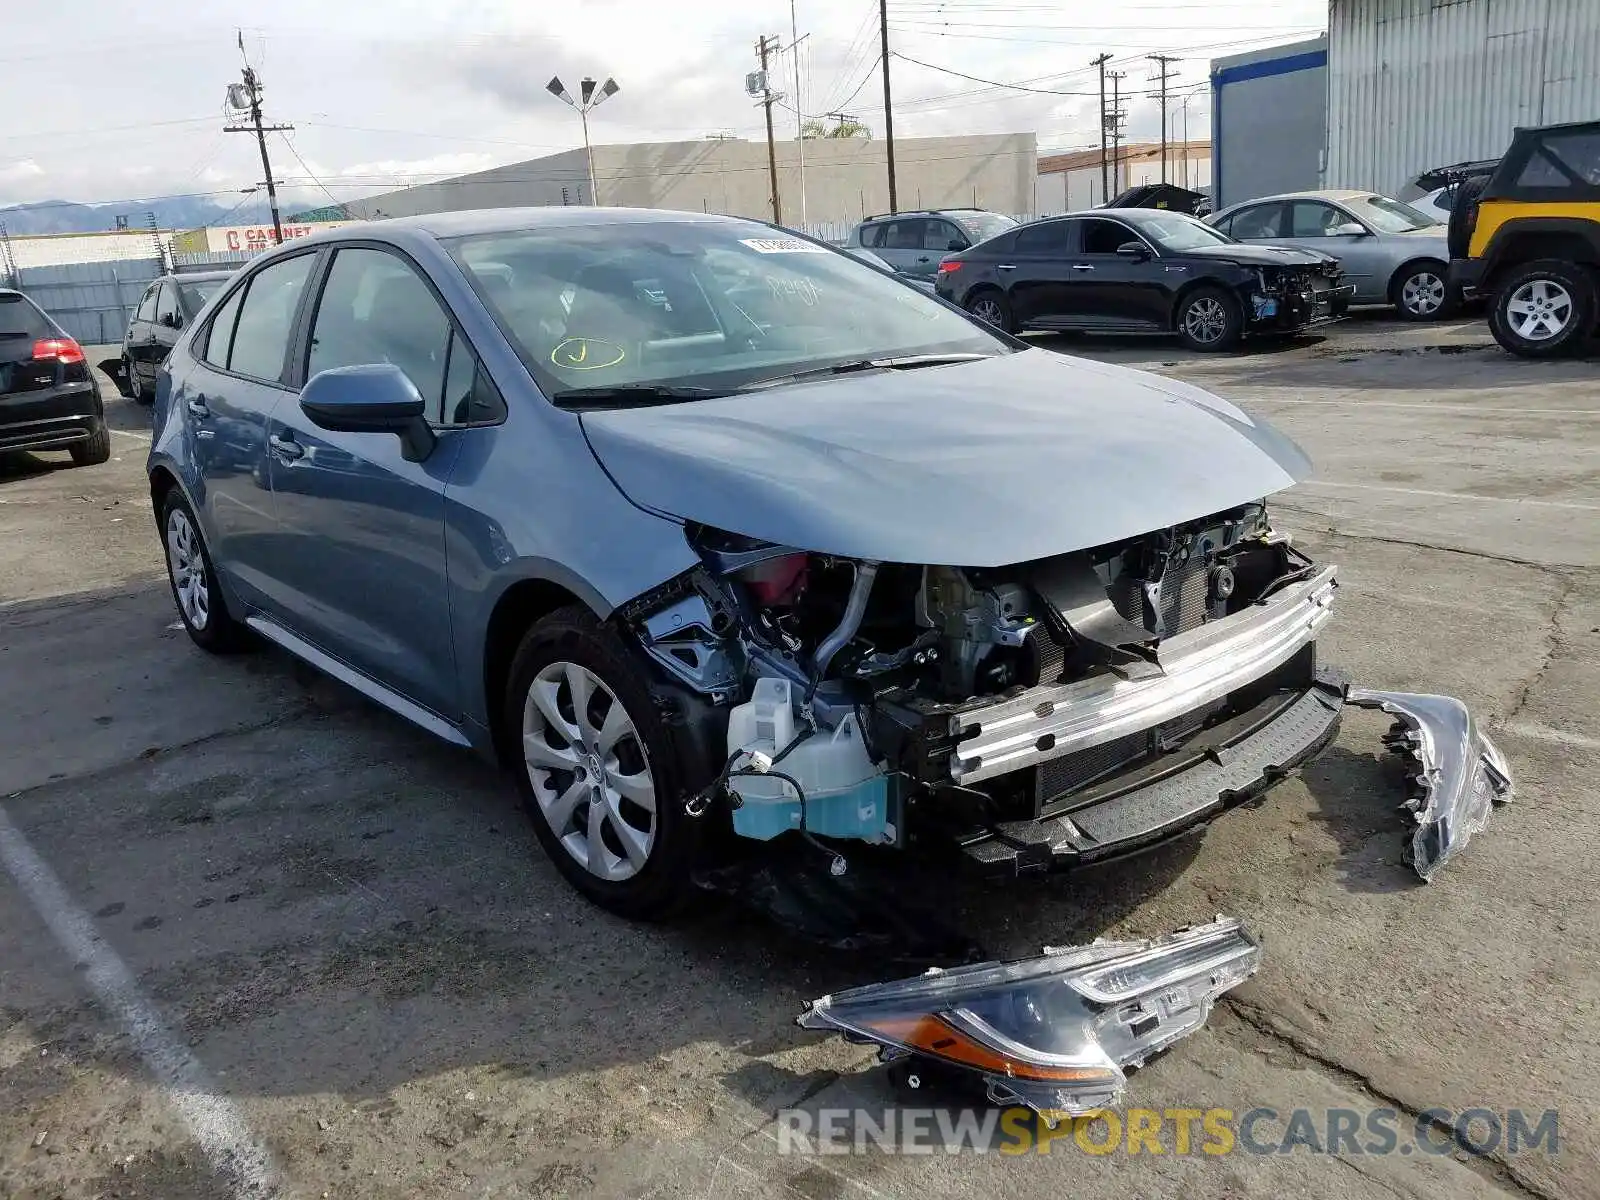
370 398
957 244
1348 229
172 320
1137 251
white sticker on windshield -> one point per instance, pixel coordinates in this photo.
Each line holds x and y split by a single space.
781 245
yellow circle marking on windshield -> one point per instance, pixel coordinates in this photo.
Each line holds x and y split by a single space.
587 354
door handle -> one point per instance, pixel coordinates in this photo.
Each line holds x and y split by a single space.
286 448
198 409
924 258
1005 266
1082 267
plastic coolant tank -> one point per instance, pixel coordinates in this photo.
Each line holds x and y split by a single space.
846 795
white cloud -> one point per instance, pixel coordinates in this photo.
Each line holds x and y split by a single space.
21 171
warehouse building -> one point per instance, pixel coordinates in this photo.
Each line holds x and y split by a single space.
845 179
1269 120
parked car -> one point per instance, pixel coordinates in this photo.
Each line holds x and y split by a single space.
1392 253
873 259
1142 271
1528 238
1438 188
168 305
914 243
1167 196
875 572
49 399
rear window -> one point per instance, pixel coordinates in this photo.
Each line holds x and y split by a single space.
19 318
1564 160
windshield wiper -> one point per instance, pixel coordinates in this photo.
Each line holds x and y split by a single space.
905 362
633 395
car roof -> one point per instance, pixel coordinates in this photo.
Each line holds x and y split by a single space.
1323 194
202 276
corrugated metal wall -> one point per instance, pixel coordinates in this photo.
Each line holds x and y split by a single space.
91 301
1415 84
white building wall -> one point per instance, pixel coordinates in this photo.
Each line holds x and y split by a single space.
64 249
1415 84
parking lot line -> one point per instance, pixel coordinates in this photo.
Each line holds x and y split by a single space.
1403 491
213 1121
1344 402
138 437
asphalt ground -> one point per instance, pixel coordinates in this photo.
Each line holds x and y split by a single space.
244 913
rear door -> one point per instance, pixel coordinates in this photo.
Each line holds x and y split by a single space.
1037 272
240 377
360 570
901 243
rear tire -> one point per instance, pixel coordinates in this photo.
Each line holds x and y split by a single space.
1420 291
604 788
136 391
991 307
1545 309
94 451
1210 319
195 590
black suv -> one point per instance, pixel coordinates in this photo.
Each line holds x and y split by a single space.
914 242
168 305
49 399
1136 270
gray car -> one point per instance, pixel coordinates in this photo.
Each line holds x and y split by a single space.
913 243
1393 253
704 528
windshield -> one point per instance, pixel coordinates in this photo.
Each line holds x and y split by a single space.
981 227
195 294
708 305
1390 216
1176 231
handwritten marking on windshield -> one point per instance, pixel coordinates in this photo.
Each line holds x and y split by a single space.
587 354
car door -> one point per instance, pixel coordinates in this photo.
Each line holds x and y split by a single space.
1254 223
1035 273
140 343
939 238
901 243
1312 225
360 568
1105 288
239 377
169 321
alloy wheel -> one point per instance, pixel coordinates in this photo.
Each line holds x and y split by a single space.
590 774
1539 310
187 563
1423 294
1206 320
987 310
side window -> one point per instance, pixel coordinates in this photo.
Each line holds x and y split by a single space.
1564 160
219 338
147 305
943 237
1225 225
1309 219
376 308
872 235
1258 222
261 337
1103 237
1045 237
470 397
903 235
167 307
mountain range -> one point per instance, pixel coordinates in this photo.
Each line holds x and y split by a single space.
179 212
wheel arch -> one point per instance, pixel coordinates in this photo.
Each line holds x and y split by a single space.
522 603
1527 239
1399 273
1194 285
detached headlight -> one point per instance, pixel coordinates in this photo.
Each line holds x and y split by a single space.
1057 1032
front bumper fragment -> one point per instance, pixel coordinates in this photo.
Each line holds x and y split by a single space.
1458 775
1056 1033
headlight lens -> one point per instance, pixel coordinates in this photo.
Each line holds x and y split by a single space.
1053 1032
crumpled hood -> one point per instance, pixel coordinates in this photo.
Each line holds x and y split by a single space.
980 464
1261 256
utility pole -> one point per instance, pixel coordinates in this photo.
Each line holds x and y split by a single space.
1114 119
1165 62
888 102
768 98
799 112
1105 182
247 97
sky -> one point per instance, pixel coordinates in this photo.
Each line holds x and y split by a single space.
383 93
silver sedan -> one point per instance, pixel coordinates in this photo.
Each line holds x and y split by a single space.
1393 253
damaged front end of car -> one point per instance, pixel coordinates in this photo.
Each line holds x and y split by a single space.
1040 715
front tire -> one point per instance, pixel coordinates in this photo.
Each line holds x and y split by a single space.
1419 291
1544 310
992 308
95 450
193 579
598 769
1210 319
136 391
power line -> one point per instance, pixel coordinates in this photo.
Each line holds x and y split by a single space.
307 169
1014 87
251 94
1164 61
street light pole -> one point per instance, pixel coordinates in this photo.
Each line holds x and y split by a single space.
591 96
